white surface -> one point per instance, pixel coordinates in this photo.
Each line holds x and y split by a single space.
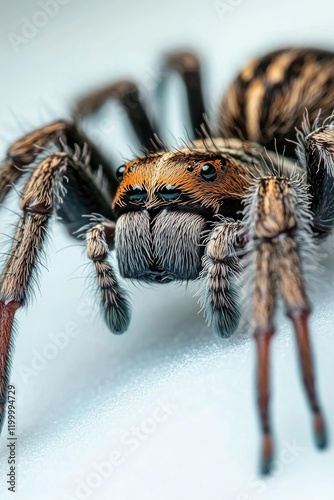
75 410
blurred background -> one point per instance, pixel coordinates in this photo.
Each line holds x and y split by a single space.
166 411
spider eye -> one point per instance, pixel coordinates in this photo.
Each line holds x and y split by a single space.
120 172
208 172
169 193
136 194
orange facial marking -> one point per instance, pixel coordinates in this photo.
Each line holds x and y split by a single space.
185 171
138 173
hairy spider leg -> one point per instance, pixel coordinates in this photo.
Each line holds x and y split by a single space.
221 266
316 152
23 152
187 66
42 196
280 234
128 95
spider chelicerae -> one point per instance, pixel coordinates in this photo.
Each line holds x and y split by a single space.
241 209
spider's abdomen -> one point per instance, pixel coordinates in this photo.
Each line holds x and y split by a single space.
269 97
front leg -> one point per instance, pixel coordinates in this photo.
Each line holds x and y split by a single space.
42 196
114 303
221 267
279 220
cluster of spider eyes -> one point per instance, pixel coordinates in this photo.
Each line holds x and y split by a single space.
208 171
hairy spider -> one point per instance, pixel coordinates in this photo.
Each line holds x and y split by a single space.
218 209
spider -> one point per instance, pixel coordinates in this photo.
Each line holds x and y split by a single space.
242 209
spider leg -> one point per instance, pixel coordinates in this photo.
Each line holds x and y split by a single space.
24 151
113 300
279 222
187 65
42 196
220 267
127 93
316 152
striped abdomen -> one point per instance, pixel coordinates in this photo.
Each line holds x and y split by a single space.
269 97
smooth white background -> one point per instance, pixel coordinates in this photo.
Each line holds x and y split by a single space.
77 409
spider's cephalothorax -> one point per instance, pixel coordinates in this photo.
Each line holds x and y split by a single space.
222 209
165 204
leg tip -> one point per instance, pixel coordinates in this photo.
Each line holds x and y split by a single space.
320 432
267 455
265 467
